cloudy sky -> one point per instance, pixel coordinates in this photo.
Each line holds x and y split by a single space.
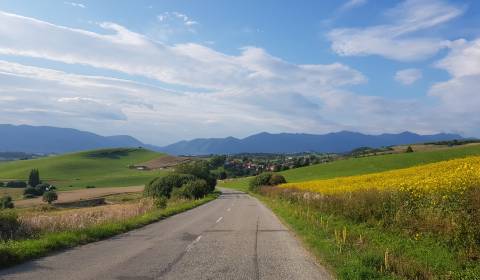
163 71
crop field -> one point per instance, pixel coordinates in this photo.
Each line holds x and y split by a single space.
99 168
364 165
443 177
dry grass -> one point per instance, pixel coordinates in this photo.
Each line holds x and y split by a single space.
34 222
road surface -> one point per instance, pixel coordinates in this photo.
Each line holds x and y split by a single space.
233 237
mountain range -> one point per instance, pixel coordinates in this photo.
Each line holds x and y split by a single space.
48 140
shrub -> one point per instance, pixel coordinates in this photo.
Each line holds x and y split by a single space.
29 196
34 178
6 202
262 179
409 149
276 179
16 184
41 188
89 187
50 196
163 186
199 169
2 184
160 202
9 224
31 191
196 189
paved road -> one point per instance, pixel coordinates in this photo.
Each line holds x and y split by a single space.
233 237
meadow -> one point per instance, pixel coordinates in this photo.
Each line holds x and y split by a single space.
400 216
99 168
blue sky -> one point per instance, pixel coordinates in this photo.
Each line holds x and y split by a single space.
163 71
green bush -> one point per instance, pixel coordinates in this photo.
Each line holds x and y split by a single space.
6 202
196 189
49 196
201 170
29 191
262 179
276 179
16 184
163 186
9 224
41 188
161 202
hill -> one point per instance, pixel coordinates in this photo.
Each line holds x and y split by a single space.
100 168
338 142
365 165
47 140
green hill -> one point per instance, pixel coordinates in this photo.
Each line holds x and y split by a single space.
99 168
372 164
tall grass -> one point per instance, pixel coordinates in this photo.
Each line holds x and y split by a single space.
94 228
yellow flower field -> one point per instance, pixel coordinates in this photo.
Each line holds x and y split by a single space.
447 176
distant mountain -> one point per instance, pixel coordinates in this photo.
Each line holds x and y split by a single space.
47 140
296 143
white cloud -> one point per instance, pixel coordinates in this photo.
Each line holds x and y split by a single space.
77 5
352 4
408 76
463 59
238 94
397 40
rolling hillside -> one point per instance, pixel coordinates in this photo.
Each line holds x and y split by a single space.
100 168
372 164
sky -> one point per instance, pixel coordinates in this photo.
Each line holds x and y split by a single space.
164 71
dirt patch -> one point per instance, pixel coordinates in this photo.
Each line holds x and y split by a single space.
162 162
78 195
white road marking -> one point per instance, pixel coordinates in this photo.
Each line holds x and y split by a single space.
228 210
189 247
219 219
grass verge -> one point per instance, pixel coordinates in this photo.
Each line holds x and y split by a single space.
360 251
18 251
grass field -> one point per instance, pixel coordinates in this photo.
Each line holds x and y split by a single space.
365 165
99 168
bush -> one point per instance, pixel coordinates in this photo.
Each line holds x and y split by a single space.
9 224
16 184
2 184
163 186
196 189
179 193
6 202
31 191
41 188
160 202
409 149
199 169
29 196
50 196
262 179
276 179
89 187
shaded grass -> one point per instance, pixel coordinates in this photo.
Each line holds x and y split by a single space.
15 252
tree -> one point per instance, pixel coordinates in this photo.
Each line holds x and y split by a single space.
34 178
6 202
163 186
196 189
49 196
409 149
217 161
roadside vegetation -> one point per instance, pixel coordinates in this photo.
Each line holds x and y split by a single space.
27 233
420 222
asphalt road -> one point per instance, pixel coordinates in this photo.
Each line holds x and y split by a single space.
233 237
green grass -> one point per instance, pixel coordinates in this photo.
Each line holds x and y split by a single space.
362 255
100 168
15 252
365 165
